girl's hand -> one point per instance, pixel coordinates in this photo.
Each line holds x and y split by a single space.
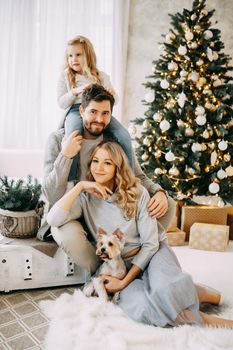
112 284
79 90
96 189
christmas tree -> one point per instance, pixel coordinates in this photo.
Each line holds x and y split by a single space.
186 141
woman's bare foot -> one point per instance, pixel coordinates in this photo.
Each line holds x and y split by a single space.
208 295
216 321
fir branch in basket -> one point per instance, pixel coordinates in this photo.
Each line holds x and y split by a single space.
20 195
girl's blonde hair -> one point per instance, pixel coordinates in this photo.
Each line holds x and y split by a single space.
126 184
90 69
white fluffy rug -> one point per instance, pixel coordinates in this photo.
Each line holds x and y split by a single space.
80 323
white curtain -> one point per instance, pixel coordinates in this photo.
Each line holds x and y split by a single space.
33 38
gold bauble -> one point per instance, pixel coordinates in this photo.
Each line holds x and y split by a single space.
227 157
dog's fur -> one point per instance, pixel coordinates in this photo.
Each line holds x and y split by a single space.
109 248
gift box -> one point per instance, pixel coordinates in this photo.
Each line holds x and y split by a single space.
176 237
230 221
202 214
209 237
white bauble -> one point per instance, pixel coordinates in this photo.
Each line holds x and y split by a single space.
149 97
214 187
210 54
217 82
145 156
169 156
201 120
199 62
158 171
213 158
194 76
182 50
221 174
188 36
191 171
183 73
222 145
164 125
169 37
189 132
174 171
164 84
181 99
229 170
157 117
196 147
172 66
197 28
208 34
199 110
180 123
132 130
193 17
146 124
146 141
194 45
206 134
215 56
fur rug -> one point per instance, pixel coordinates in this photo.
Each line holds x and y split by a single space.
81 323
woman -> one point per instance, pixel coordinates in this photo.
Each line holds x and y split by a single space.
155 290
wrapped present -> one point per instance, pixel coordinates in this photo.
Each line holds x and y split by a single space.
209 237
176 237
173 225
230 220
203 214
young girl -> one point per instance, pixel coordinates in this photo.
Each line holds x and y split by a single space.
155 291
81 71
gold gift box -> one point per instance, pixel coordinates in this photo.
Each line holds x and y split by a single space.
176 237
202 214
209 237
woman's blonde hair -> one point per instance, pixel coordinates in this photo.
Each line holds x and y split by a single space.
90 65
126 184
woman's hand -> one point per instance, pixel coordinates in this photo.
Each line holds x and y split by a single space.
95 188
112 284
158 205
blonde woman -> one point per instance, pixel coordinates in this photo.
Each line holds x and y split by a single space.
155 290
80 71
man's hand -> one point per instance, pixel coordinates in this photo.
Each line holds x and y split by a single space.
71 145
112 284
158 205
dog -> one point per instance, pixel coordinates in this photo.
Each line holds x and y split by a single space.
109 248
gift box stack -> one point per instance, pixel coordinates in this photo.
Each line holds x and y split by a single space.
207 227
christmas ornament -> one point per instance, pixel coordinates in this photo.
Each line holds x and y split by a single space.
172 66
182 50
197 28
157 154
181 99
204 13
208 34
164 125
229 170
132 130
174 171
191 171
201 120
213 158
199 62
214 187
180 123
149 97
157 117
217 83
227 157
222 145
170 37
215 55
189 132
146 141
194 76
183 73
210 54
202 81
144 157
212 44
196 147
193 17
188 36
158 171
164 84
194 45
206 134
199 110
221 174
169 156
146 124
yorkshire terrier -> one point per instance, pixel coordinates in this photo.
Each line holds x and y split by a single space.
109 248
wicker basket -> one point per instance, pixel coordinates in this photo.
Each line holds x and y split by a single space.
19 224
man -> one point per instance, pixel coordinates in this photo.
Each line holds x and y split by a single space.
96 111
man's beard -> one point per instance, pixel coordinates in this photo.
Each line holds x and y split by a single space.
93 132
